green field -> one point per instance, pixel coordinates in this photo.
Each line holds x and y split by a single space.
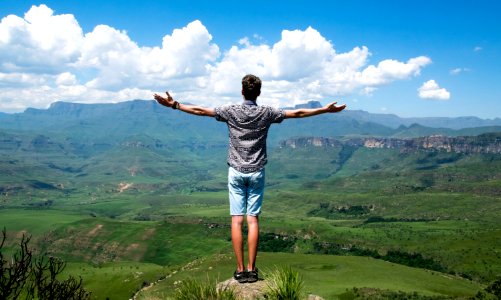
328 276
423 221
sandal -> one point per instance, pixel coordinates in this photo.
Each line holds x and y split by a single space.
241 277
252 276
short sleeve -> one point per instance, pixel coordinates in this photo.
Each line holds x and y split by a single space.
277 115
221 114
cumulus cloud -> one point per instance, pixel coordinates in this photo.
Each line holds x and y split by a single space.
431 90
48 57
304 65
120 62
41 42
66 79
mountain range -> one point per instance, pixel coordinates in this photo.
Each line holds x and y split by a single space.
114 122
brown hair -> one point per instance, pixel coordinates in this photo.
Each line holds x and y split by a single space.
251 87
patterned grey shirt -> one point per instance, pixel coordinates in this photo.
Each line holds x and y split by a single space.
248 126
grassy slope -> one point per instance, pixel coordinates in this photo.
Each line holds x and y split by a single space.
328 276
458 196
118 280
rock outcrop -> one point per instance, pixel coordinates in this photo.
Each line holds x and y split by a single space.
251 291
245 291
485 143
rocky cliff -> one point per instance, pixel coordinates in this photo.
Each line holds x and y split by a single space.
485 143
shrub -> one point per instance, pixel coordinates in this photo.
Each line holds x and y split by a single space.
35 277
191 289
495 288
284 284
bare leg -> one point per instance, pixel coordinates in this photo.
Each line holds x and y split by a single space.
237 240
252 240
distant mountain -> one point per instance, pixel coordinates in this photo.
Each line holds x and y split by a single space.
416 130
309 104
394 121
114 123
109 122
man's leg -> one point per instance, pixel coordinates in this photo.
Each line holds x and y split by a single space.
237 195
255 199
252 240
237 240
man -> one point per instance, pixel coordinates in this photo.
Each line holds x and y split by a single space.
248 125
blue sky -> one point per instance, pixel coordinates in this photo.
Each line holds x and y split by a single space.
410 58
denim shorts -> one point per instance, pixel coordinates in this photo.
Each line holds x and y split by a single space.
246 192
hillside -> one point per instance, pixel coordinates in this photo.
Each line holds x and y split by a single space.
114 122
484 143
394 121
128 193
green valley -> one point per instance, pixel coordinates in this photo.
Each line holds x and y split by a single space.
129 194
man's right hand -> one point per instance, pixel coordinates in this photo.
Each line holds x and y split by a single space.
169 101
333 108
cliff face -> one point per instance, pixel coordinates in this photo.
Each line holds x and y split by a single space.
485 143
310 141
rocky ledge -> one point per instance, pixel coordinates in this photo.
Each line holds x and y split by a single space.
251 291
485 143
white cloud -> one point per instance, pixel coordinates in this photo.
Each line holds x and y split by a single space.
303 65
66 79
457 71
244 41
431 90
40 42
389 70
368 90
299 54
47 57
477 48
122 63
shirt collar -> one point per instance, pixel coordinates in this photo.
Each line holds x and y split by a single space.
250 102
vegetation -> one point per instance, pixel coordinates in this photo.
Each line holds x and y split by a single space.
284 284
377 294
328 275
126 202
34 277
495 288
408 259
191 289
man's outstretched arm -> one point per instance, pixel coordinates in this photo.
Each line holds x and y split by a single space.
191 109
309 112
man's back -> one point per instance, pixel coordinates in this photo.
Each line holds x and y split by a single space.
248 126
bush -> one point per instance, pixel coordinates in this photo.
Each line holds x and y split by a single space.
284 284
378 294
191 289
35 277
271 242
495 288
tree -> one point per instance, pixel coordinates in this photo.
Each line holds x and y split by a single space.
14 275
36 277
495 288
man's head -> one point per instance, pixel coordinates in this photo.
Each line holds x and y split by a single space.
251 87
